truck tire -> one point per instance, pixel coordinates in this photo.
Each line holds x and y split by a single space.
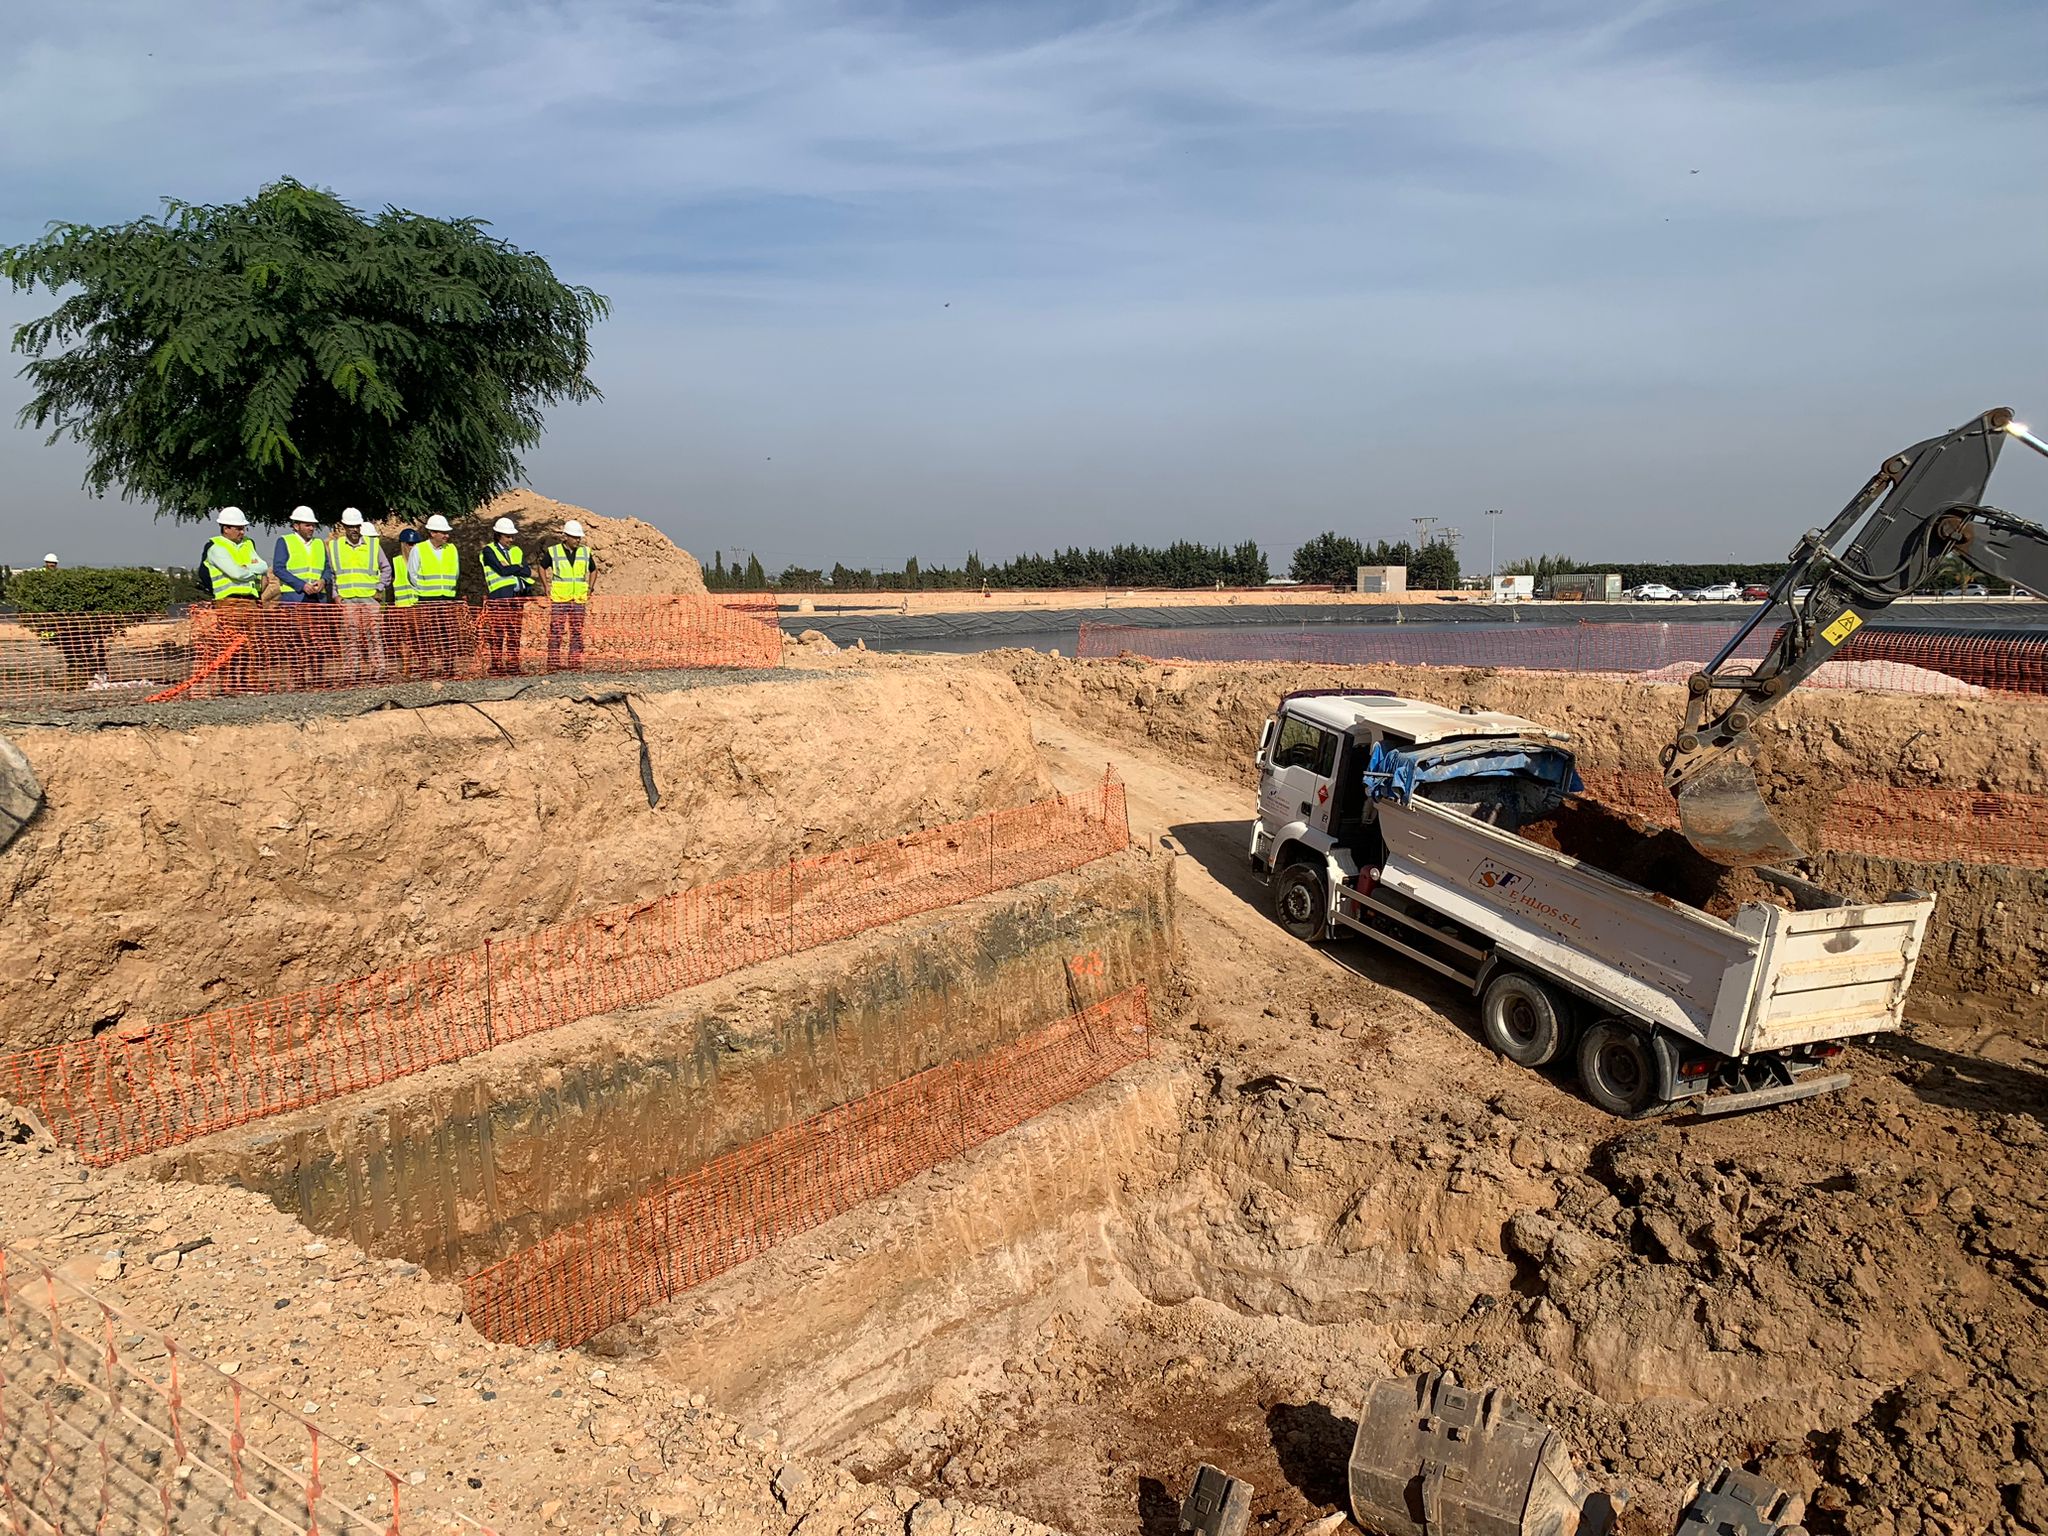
1523 1019
1301 904
1618 1068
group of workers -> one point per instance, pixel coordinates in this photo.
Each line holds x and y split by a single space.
353 571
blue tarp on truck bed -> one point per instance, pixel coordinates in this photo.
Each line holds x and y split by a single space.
1391 772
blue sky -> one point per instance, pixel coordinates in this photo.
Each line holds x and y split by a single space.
895 279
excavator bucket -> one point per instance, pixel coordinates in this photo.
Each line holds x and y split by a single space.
1724 816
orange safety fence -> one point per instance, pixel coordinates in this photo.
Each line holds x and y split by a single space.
1929 826
74 661
122 1094
1944 664
582 1279
109 1426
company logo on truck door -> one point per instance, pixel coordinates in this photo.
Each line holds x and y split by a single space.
1512 888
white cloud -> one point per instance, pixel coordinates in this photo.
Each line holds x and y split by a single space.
1318 255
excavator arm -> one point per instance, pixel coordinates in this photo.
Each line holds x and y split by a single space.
1922 506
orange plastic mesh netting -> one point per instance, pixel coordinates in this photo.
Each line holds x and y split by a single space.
580 1280
122 1094
82 661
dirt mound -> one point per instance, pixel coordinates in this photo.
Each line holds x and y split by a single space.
1658 860
1873 673
630 557
171 872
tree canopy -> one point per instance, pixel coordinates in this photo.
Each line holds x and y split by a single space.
290 349
1334 558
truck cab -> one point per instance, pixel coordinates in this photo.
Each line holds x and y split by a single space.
1314 762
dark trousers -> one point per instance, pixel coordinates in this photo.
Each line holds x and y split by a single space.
437 632
565 618
502 618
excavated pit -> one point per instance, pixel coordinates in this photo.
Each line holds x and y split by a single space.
1318 1179
461 1166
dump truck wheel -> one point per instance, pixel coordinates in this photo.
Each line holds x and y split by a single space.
1299 902
1522 1019
1618 1069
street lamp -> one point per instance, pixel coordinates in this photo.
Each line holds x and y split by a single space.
1492 563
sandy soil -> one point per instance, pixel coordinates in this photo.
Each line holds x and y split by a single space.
173 871
1848 1293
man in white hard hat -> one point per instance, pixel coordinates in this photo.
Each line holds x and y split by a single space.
361 573
507 579
568 594
433 568
300 564
300 559
235 575
50 562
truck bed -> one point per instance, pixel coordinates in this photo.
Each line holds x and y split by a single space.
1768 979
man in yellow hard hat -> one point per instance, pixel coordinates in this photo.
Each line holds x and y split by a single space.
568 594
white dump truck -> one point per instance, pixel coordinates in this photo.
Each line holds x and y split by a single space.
1402 821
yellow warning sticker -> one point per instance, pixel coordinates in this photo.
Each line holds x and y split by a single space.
1842 628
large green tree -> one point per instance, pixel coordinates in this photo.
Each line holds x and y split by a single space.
291 349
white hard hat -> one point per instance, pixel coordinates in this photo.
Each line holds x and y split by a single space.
571 529
303 515
504 525
50 559
351 518
438 524
231 517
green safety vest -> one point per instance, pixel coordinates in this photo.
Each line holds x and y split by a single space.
225 585
305 558
496 581
402 593
569 572
438 569
355 568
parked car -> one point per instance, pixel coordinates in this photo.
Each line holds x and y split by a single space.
1720 592
1756 592
1975 589
1654 592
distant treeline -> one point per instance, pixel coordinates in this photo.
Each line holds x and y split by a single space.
1124 565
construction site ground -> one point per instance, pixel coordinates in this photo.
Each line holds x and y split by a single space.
1321 1179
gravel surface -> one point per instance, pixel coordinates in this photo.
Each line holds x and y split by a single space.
357 701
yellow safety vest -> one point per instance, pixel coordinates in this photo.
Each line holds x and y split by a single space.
569 573
496 582
355 568
402 594
225 585
305 558
439 569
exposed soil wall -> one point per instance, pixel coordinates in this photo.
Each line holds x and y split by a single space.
458 1167
174 871
1209 716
